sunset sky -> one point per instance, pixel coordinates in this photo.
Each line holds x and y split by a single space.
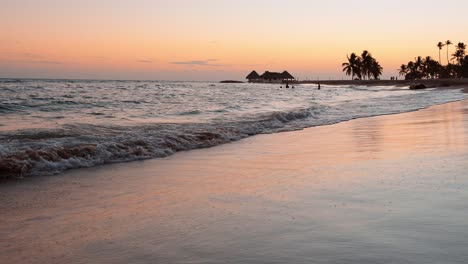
218 39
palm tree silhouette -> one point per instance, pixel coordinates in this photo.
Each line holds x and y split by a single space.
376 69
412 67
403 70
459 54
440 45
362 67
352 66
366 66
448 43
431 67
419 67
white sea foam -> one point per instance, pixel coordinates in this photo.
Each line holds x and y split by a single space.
192 115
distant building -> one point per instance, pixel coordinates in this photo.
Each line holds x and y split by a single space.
270 77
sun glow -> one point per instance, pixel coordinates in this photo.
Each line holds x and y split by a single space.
212 40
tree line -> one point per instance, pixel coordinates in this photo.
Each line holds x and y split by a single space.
362 67
429 68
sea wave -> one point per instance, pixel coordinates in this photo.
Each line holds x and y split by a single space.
105 124
7 108
50 151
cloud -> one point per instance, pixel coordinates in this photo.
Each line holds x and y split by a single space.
45 62
95 57
22 55
27 57
34 61
198 63
31 55
145 61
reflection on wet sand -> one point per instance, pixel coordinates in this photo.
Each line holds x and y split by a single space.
368 135
422 130
377 190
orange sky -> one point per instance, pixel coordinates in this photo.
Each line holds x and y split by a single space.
214 40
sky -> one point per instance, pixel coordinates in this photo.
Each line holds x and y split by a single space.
218 39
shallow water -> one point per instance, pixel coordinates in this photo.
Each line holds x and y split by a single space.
48 126
390 189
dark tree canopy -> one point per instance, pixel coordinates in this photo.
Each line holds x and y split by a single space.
429 68
364 66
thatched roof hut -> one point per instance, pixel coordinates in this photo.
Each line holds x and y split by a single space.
270 77
287 76
253 75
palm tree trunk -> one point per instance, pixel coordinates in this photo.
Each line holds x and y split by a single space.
447 55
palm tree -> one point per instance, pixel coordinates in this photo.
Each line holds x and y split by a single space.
362 67
419 66
358 69
351 66
412 67
448 43
376 69
413 70
440 45
464 67
431 67
366 59
403 70
459 53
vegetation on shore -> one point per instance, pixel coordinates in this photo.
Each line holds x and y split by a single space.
366 67
363 67
428 68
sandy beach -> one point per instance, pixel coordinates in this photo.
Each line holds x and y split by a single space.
226 132
387 189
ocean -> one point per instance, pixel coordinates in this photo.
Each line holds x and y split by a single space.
48 126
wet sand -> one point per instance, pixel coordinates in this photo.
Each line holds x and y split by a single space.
389 189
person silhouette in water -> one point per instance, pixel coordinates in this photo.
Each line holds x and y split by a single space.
318 86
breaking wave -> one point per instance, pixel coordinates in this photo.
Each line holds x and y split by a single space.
50 151
47 127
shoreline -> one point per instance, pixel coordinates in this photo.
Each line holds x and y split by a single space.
452 83
363 190
429 83
12 167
